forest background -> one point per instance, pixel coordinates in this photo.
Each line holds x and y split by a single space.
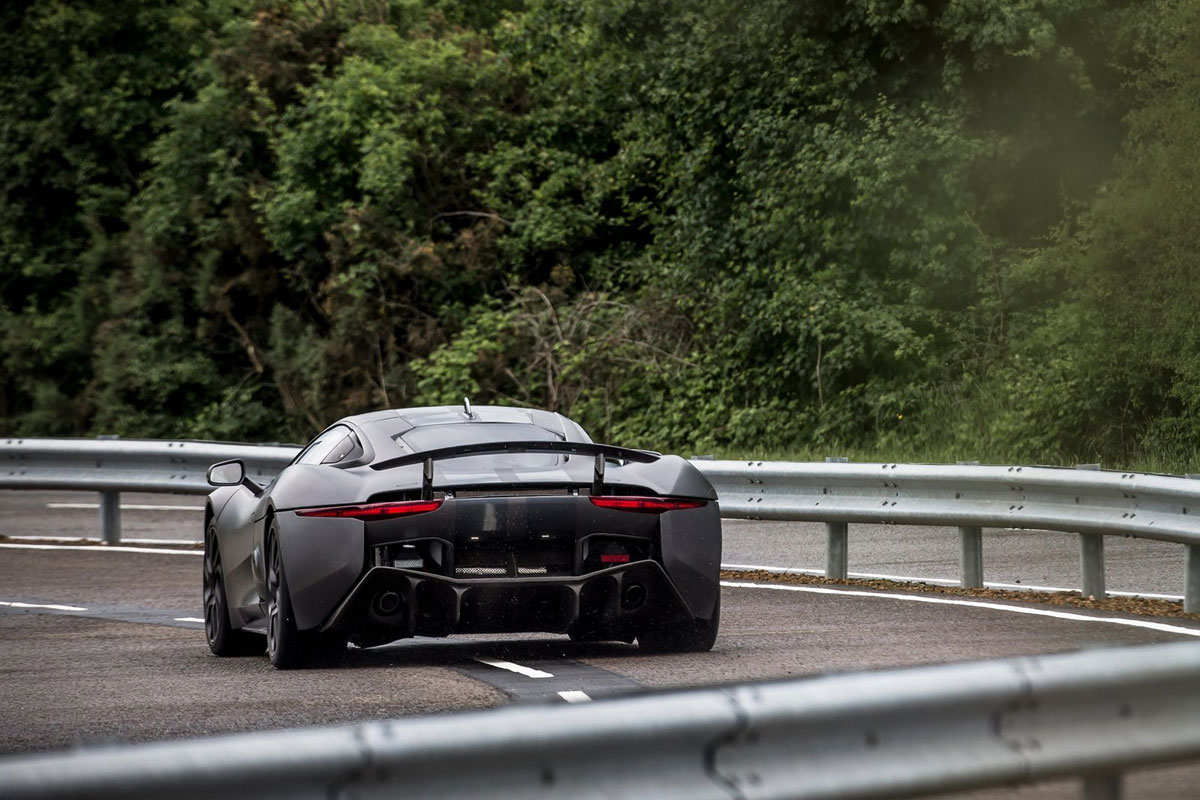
924 231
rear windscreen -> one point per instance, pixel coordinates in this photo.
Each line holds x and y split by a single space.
432 437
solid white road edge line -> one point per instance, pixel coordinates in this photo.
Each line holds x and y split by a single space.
189 619
574 696
916 598
94 548
945 601
53 606
1019 587
528 672
26 543
41 537
124 507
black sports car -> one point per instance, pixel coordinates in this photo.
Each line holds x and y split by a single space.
433 521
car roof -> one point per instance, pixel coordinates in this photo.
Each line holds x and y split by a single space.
384 428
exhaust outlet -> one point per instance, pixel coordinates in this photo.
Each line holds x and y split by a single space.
633 597
387 604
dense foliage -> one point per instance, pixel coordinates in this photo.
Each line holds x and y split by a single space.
927 228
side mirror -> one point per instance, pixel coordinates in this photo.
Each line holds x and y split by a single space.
227 473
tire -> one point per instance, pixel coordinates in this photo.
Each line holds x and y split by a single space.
697 636
287 647
223 638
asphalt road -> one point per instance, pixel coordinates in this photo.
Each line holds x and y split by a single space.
122 659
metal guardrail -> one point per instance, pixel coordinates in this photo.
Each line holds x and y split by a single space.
112 466
888 734
970 497
1090 502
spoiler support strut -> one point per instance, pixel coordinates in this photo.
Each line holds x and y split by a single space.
598 476
427 480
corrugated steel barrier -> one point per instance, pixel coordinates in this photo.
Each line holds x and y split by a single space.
887 734
1091 503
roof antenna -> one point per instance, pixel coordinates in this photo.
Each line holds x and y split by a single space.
467 408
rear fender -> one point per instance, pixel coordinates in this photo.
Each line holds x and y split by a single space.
323 558
691 553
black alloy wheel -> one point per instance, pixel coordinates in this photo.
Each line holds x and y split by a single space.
222 638
284 645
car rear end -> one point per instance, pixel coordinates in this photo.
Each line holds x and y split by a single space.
605 558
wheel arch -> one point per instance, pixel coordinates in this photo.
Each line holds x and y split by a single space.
322 558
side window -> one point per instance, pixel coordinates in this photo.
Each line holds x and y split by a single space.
320 447
348 448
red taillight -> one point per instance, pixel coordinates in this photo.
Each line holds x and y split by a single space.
650 505
614 558
374 511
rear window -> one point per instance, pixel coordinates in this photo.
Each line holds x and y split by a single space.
432 437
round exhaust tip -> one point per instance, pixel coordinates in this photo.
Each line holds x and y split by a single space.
387 603
633 597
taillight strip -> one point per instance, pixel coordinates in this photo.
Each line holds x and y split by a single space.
373 511
646 505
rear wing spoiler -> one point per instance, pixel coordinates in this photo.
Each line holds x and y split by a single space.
600 452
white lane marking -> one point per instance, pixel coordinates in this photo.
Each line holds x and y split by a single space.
188 619
101 549
528 672
574 696
125 507
41 537
1020 587
51 606
945 601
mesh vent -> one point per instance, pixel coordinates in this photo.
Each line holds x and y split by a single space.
478 572
497 572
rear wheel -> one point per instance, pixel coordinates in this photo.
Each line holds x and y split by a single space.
697 636
287 647
223 638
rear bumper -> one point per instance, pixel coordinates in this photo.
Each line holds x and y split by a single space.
390 603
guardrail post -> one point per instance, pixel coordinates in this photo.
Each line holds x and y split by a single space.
836 540
970 550
1103 787
1091 557
836 535
110 517
1191 580
970 557
1091 565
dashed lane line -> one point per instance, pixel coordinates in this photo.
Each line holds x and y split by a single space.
574 696
919 598
528 672
47 606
